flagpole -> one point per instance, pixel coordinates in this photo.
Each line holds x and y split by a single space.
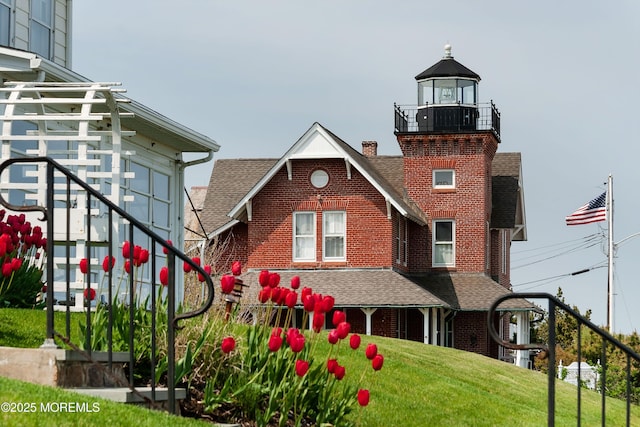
610 292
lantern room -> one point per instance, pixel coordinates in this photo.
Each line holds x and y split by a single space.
447 96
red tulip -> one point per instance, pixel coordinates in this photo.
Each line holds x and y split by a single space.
377 362
207 269
136 253
295 282
338 317
305 293
354 341
291 299
318 321
89 294
275 342
144 256
308 302
164 249
302 366
126 249
263 278
84 266
3 248
236 268
343 330
333 336
363 397
274 280
327 303
7 269
332 364
228 344
276 331
296 342
105 263
196 260
264 295
186 267
339 372
16 263
127 266
164 276
275 295
227 282
371 351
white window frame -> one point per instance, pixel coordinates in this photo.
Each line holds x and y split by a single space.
9 5
311 235
444 186
402 246
442 243
48 26
326 234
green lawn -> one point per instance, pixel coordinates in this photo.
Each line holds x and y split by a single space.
419 385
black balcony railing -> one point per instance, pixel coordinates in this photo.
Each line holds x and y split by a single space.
62 183
608 342
446 118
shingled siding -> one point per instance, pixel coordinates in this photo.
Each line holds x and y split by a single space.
469 204
270 232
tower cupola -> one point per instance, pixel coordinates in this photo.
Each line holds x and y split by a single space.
447 82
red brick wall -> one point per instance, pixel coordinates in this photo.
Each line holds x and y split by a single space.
270 234
469 204
470 333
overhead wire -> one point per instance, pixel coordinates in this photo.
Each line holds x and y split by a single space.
566 248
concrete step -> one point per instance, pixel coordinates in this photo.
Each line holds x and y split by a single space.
125 395
139 397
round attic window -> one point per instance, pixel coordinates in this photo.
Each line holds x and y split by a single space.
319 178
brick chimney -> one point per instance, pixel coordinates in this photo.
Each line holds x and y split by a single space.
370 148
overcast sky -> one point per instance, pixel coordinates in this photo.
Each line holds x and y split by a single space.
255 75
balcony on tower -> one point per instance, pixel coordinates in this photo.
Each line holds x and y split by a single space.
447 102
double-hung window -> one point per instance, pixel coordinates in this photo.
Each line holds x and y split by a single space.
444 243
41 27
304 236
334 233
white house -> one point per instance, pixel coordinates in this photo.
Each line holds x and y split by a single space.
129 152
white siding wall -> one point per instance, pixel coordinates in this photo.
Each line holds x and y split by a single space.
21 29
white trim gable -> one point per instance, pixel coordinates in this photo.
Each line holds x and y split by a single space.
316 143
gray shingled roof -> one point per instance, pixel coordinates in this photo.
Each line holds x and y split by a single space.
505 189
388 288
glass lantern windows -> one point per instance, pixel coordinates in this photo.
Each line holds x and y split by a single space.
447 91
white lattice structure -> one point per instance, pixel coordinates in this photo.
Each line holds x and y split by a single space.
85 119
138 167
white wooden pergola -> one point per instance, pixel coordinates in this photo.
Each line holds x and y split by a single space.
85 118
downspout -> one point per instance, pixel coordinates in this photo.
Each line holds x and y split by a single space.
68 34
183 166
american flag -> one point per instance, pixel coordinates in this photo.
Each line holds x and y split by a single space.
594 211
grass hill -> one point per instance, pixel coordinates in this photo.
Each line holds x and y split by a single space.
419 385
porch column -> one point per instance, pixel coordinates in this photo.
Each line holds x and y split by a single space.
426 324
368 312
435 313
522 356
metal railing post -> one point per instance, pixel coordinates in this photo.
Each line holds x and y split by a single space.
49 341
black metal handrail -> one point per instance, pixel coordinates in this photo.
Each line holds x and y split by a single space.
173 318
550 348
435 118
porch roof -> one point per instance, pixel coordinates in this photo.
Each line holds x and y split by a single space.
389 288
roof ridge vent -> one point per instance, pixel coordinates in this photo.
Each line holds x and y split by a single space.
447 51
